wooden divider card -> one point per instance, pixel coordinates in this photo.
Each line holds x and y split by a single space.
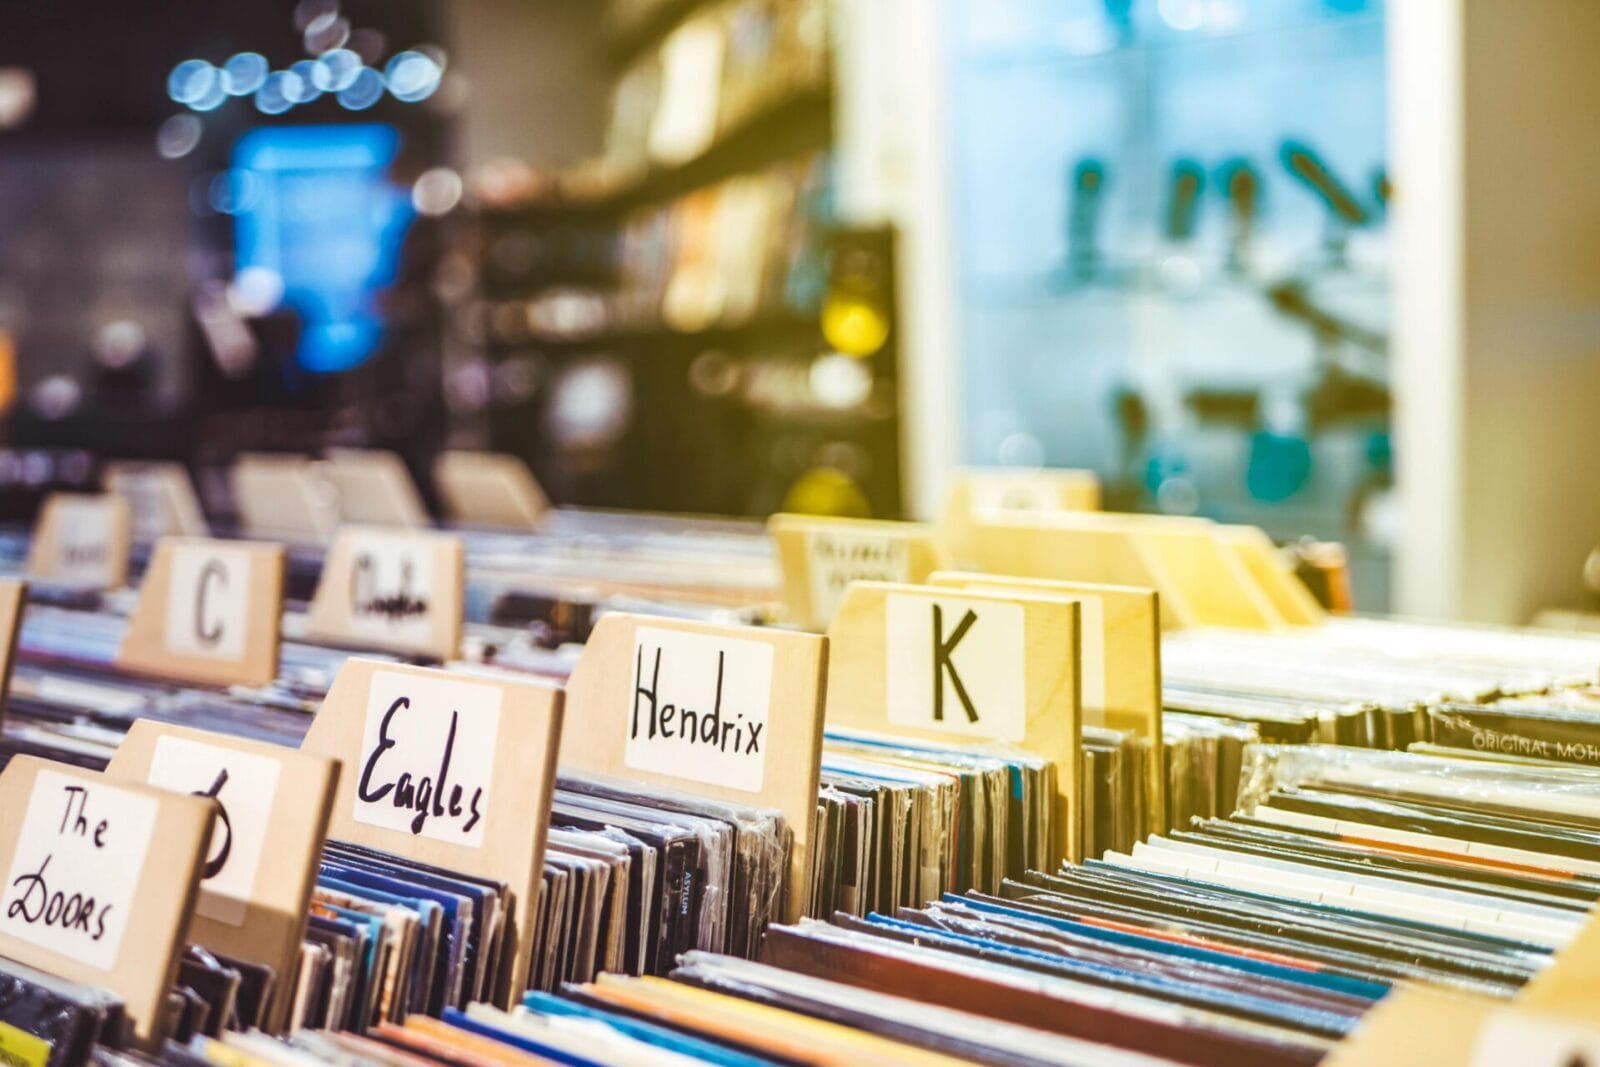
100 876
1119 630
730 712
1442 1028
391 590
273 809
1200 574
208 612
81 540
450 770
13 596
489 489
160 497
937 663
1257 554
374 488
820 557
983 491
283 496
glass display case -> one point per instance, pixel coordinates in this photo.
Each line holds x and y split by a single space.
1171 254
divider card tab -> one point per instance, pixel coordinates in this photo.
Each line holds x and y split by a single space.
452 770
1259 557
81 540
820 557
161 499
208 612
489 489
279 495
1120 637
730 712
927 662
392 590
1567 986
985 491
1419 1024
273 810
99 879
374 487
13 597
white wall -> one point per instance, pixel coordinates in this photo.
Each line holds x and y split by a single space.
894 166
1497 172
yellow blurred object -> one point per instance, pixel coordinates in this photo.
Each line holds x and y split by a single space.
8 372
827 491
854 323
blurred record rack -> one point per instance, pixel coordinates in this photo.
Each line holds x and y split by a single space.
685 324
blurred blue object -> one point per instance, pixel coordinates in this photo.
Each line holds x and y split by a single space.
330 224
1279 466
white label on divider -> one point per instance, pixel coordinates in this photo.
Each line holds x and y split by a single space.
1019 492
245 785
699 707
391 587
427 756
956 665
1528 1040
834 560
83 541
79 856
208 602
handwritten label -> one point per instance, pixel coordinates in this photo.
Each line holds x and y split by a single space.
84 527
956 665
208 599
391 588
700 707
244 785
77 864
427 756
1528 1040
834 560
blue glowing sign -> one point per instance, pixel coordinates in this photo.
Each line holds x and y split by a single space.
322 215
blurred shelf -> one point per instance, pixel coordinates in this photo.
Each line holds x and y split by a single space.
779 325
626 38
784 129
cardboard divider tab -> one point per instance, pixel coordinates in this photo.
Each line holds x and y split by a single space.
1272 573
1217 586
374 488
979 494
1419 1024
490 741
1120 661
1200 573
1568 985
278 495
820 557
491 489
161 496
13 597
392 590
729 712
208 612
99 877
943 664
81 540
1032 547
253 906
